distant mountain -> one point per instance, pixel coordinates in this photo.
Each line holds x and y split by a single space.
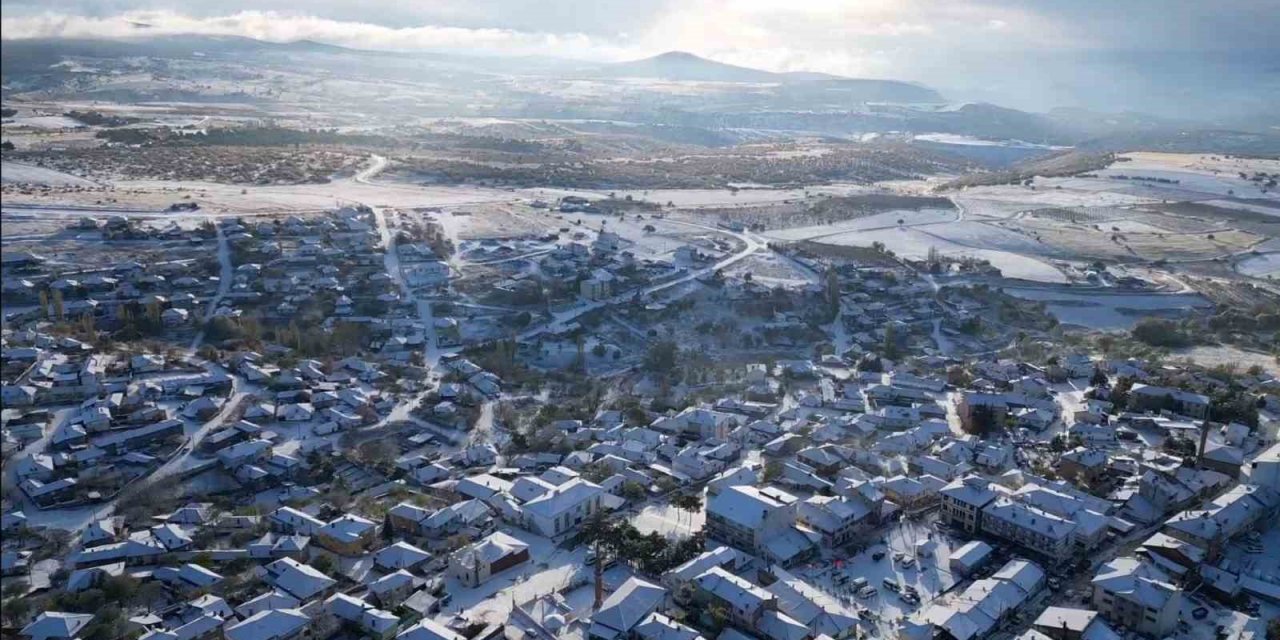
684 66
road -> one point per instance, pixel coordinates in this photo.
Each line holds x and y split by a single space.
562 318
225 275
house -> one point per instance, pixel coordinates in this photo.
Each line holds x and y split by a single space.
689 571
1144 397
838 520
969 558
428 629
271 624
757 520
745 602
562 509
660 627
299 580
348 535
1034 529
374 622
392 589
1083 465
818 611
477 562
1065 623
963 501
1264 470
400 555
1138 596
624 609
53 625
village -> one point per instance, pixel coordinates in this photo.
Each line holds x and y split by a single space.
595 419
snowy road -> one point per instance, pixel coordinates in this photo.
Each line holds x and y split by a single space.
225 275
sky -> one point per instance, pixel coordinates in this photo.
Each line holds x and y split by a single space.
976 48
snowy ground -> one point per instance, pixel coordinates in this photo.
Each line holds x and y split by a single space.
17 172
668 521
550 570
929 575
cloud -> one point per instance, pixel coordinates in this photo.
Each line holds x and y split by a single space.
285 27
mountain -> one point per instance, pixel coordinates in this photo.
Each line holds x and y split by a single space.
687 67
682 66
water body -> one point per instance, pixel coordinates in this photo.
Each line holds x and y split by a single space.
1109 311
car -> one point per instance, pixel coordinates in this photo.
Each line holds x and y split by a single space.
909 599
877 556
859 583
1200 613
908 562
867 592
891 585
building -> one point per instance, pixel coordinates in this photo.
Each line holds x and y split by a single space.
757 520
624 609
1144 397
839 520
476 563
744 602
560 510
271 624
963 501
1063 623
1264 470
348 535
1032 528
1138 596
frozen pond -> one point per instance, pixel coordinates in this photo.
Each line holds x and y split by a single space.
1108 311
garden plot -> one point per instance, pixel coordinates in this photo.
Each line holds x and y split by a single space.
1061 192
914 244
1088 242
772 269
982 208
886 220
1264 208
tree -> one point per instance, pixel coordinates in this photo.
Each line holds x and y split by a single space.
890 346
322 563
1099 378
1158 332
689 502
16 611
661 356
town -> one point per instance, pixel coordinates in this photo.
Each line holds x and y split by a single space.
616 423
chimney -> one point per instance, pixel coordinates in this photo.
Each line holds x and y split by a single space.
599 575
1204 438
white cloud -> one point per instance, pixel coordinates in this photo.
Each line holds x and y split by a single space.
283 27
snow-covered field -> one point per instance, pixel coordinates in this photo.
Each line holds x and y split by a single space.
46 122
17 172
1262 265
